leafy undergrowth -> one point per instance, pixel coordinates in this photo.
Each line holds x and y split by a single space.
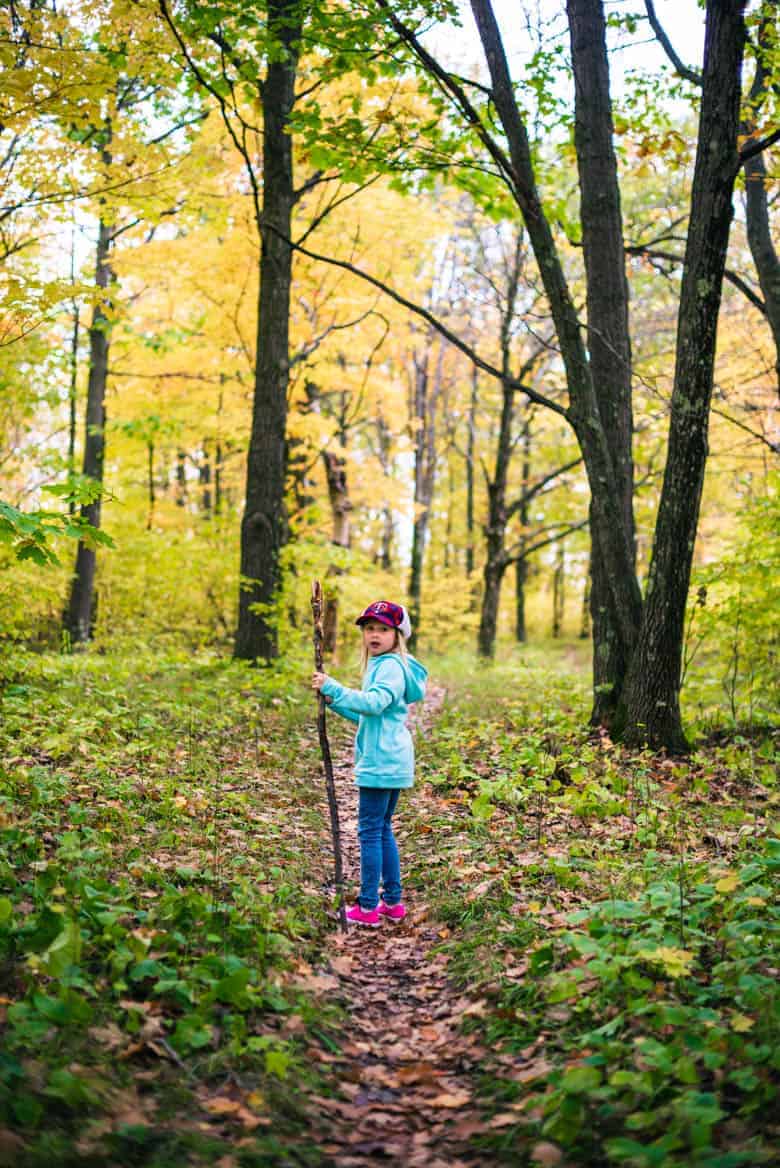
617 916
609 916
160 839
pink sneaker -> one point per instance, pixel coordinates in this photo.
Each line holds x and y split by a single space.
363 916
393 912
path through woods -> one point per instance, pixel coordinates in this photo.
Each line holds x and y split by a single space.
405 1076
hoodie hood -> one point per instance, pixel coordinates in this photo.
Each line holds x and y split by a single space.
416 675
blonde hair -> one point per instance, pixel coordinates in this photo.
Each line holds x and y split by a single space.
399 647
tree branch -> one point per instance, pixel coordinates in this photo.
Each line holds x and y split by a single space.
432 320
684 70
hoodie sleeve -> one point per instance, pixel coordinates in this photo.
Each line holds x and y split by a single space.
336 706
386 687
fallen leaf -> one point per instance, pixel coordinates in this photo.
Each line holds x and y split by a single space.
220 1105
546 1154
450 1099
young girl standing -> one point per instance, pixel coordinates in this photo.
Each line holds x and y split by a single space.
384 754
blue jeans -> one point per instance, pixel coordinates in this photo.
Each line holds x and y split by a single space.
378 849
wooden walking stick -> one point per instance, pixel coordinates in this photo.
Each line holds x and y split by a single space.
327 762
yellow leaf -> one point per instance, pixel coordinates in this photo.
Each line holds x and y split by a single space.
727 883
534 906
741 1023
675 962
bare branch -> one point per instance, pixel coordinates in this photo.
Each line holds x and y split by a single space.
684 70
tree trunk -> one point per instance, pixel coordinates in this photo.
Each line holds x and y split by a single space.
79 613
388 528
150 484
470 447
607 516
521 576
74 374
491 597
608 325
756 198
181 478
651 708
263 524
340 505
424 411
521 564
204 478
559 586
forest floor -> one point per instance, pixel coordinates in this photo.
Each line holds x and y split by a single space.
587 976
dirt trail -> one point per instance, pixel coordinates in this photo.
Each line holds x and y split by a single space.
403 1078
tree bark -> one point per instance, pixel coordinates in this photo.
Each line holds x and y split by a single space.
263 525
471 437
78 617
559 585
521 577
494 570
424 412
608 325
650 711
340 505
759 230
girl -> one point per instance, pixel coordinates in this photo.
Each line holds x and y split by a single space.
384 755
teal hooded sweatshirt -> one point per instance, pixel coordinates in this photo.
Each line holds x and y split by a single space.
384 754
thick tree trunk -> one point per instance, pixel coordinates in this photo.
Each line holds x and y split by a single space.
79 613
650 711
263 525
608 325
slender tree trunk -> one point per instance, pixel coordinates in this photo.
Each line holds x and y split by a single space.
559 589
181 478
650 711
263 526
521 576
388 530
340 505
470 449
150 484
204 477
608 326
74 374
425 402
521 564
762 246
78 618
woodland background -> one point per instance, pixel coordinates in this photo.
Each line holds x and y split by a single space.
132 179
294 290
